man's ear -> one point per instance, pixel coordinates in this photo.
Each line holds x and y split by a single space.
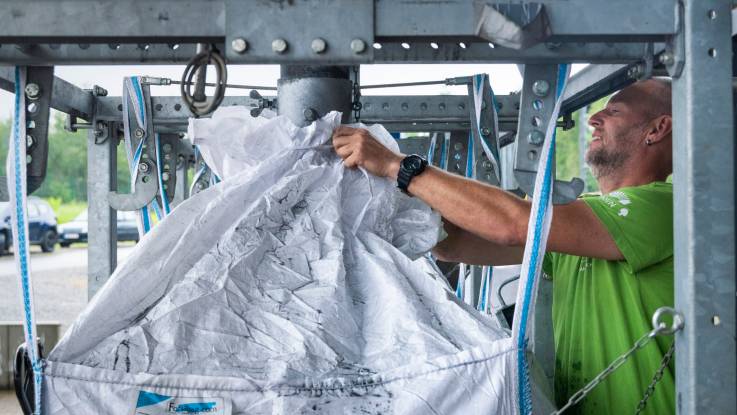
659 128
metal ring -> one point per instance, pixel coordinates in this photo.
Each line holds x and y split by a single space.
660 328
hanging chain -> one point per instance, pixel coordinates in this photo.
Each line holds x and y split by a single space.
658 376
660 329
357 106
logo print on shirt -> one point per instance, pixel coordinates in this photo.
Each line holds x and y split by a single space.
623 212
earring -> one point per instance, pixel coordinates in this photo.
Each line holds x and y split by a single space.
648 142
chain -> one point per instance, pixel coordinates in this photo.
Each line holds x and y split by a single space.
581 393
357 106
660 328
658 375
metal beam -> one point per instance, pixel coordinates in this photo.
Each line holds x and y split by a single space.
594 82
704 212
34 32
397 113
66 97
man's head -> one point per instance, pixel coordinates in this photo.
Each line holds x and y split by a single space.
633 130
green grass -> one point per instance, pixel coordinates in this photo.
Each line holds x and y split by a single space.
65 212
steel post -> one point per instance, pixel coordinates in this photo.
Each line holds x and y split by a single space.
306 93
101 218
704 199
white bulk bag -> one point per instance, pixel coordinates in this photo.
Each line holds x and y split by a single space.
293 286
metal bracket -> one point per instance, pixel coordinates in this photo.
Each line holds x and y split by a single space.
168 150
536 107
483 168
146 185
674 56
39 88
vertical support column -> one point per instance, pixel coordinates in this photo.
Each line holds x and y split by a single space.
704 213
101 218
307 93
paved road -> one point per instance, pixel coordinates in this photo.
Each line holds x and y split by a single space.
60 293
59 284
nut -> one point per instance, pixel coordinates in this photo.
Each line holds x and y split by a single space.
239 45
319 45
536 137
279 45
33 91
143 168
358 46
138 133
541 87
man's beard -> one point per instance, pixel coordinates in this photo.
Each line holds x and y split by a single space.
604 162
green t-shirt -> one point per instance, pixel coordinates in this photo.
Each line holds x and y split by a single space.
600 307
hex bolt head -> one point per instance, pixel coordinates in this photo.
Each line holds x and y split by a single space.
485 131
486 164
536 137
30 141
279 45
239 45
143 168
164 176
310 114
33 91
358 46
138 133
541 87
319 45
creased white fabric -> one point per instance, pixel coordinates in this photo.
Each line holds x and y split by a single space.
293 286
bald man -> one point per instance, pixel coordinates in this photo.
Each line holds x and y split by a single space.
610 255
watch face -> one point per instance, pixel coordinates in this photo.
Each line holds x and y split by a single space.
412 163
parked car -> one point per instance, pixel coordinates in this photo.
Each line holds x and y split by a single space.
76 230
41 225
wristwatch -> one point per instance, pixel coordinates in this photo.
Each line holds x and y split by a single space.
410 167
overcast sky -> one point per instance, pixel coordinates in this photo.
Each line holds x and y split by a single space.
504 78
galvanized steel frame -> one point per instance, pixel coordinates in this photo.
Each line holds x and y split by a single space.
696 35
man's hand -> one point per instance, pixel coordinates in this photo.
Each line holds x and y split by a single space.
358 149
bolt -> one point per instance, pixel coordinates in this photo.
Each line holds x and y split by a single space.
634 72
541 87
143 168
199 186
309 114
358 46
138 133
666 58
239 45
536 137
319 45
165 176
99 91
457 146
166 147
29 159
33 91
485 131
279 45
98 132
30 141
486 164
33 107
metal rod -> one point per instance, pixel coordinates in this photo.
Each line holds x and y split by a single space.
263 88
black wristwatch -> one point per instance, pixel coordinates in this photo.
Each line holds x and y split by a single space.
410 167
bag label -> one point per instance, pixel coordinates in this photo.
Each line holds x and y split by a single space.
150 403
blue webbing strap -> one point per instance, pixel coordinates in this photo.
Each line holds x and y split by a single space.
133 93
16 171
542 214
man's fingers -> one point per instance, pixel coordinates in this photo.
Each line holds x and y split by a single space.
343 130
351 162
343 151
340 141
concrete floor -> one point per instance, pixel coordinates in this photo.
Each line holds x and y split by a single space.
9 403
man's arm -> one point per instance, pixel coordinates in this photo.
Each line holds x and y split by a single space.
486 211
466 247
